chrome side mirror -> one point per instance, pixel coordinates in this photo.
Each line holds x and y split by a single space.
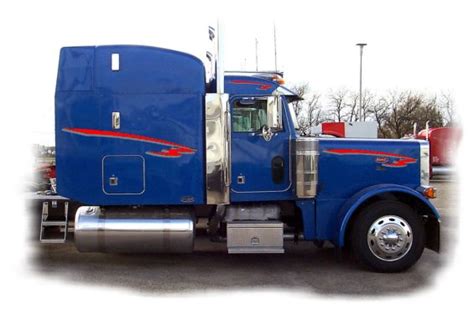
274 113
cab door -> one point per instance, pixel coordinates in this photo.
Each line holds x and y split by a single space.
261 166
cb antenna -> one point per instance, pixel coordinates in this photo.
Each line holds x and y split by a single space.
256 54
275 45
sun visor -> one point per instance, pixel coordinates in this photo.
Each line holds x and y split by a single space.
290 95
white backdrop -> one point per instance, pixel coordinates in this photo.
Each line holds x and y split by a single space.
423 45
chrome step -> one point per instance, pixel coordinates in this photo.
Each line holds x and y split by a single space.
46 225
54 223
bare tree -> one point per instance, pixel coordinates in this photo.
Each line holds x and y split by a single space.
309 111
368 101
395 112
351 107
315 111
379 112
313 115
447 108
301 90
401 108
337 104
405 109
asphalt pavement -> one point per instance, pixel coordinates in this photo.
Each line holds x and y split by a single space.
303 267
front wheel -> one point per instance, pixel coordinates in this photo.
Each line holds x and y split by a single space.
387 236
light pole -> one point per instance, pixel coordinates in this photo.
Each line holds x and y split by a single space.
361 45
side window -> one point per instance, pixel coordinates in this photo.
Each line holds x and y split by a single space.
249 115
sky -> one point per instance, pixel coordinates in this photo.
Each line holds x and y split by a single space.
424 46
414 45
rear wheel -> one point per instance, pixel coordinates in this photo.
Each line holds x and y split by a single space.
387 236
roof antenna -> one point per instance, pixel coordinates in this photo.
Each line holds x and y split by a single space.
220 59
256 54
216 57
210 55
275 45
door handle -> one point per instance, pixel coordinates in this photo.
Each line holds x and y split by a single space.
115 120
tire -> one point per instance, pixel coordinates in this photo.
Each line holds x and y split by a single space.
387 236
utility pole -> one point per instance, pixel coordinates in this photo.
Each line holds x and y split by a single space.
361 45
256 54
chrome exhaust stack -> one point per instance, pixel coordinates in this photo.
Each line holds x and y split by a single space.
127 230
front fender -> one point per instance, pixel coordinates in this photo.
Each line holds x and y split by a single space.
352 204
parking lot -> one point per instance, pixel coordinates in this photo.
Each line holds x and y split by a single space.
303 267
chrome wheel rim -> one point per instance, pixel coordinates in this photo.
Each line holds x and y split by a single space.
390 238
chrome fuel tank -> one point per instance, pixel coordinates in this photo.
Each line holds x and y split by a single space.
128 230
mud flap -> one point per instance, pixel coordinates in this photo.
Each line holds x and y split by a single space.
432 234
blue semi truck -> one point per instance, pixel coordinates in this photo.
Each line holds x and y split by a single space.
151 148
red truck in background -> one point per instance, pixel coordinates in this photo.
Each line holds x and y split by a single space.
443 146
356 129
44 178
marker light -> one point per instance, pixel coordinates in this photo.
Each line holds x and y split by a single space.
430 192
278 79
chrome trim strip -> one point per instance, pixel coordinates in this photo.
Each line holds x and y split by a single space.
306 152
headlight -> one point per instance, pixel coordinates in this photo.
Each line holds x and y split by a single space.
424 163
